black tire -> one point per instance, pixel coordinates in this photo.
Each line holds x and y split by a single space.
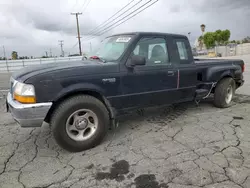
221 92
69 106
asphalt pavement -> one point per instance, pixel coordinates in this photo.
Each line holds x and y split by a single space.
4 80
183 146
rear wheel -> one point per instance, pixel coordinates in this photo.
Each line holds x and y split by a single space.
80 123
224 93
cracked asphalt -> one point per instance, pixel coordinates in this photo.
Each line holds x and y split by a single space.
175 147
182 146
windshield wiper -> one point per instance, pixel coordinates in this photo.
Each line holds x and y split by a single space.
98 58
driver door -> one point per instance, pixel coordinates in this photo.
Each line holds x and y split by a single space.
154 83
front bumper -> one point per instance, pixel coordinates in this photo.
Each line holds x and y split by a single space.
28 115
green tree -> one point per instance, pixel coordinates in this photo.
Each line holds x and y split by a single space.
225 36
14 55
246 39
218 36
209 39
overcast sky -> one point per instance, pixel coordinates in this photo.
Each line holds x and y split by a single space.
32 27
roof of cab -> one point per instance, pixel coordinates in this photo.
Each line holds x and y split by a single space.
150 33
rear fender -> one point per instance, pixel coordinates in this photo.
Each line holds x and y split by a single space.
214 74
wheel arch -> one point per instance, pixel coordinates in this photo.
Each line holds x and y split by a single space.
221 93
80 91
223 76
216 73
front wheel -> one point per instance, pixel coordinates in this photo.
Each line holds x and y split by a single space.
224 93
80 123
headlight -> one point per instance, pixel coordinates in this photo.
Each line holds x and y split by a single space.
24 93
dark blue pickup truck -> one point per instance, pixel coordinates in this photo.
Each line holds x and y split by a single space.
128 71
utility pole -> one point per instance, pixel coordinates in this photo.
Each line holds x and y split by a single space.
6 61
4 52
78 31
61 44
90 47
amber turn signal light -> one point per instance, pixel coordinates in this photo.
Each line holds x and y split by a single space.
25 99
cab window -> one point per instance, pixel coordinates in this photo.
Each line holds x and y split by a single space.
153 49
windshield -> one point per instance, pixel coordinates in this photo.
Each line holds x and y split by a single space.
112 47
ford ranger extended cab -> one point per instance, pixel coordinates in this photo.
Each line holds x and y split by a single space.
80 99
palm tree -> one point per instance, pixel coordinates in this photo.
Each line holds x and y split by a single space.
14 55
203 27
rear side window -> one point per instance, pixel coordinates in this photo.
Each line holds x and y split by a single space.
182 50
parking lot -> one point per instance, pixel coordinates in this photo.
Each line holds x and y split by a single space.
182 146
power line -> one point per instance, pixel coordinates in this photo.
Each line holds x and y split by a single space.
83 4
71 9
87 4
75 4
70 49
74 45
78 31
122 19
103 23
61 44
124 12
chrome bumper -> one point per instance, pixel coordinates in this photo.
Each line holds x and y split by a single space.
28 115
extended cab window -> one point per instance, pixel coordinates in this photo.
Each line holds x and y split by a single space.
153 49
182 50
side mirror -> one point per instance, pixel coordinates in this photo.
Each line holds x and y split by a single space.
136 60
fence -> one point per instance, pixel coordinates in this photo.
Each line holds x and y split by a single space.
13 65
233 50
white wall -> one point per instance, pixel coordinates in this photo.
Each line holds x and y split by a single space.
240 49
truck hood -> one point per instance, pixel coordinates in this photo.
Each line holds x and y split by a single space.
64 69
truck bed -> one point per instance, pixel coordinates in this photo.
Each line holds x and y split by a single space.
205 67
217 61
205 64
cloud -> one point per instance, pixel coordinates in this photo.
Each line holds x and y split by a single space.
220 5
32 27
47 19
175 8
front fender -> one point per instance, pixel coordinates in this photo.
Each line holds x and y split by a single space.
80 87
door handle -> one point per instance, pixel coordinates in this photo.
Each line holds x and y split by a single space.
170 73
